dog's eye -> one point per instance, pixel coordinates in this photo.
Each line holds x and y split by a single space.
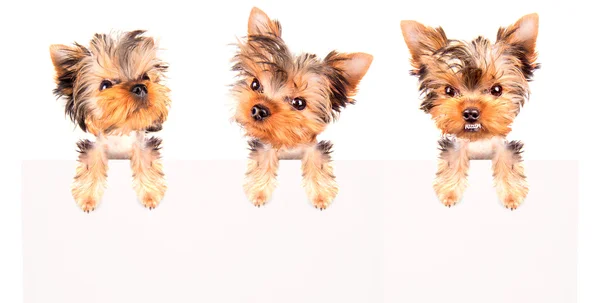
255 85
496 90
298 103
146 77
105 84
450 91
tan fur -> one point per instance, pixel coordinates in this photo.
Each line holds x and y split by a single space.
318 179
261 176
325 86
97 83
90 179
491 80
496 114
148 177
451 177
124 59
120 113
509 178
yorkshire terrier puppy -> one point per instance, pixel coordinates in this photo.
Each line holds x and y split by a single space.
113 90
284 101
473 91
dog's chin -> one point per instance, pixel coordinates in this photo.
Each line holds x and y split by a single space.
258 131
276 137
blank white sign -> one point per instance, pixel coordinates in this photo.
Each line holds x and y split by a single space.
386 238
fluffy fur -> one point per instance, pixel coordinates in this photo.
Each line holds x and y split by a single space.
473 91
301 95
113 90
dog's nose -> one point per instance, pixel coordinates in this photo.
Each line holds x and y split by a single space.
471 114
140 90
259 112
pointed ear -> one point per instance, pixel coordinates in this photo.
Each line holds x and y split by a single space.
259 24
422 40
523 33
345 72
66 61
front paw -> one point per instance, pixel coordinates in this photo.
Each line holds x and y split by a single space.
258 197
321 195
448 199
448 196
85 199
514 197
86 204
150 191
149 183
323 201
151 200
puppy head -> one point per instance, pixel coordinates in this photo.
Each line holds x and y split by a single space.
114 86
286 100
473 89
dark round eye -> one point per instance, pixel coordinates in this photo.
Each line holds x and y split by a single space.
450 91
298 103
105 84
496 90
255 85
146 77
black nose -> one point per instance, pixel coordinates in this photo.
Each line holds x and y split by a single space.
259 112
471 114
140 90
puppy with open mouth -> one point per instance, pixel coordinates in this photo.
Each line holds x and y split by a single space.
473 91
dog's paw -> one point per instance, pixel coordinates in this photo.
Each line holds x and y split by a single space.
151 200
513 199
321 202
320 190
86 203
258 198
511 202
85 198
512 194
321 194
449 198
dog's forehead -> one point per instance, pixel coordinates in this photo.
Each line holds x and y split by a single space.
298 73
124 55
467 62
458 55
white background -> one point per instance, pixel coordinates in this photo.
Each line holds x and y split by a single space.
557 123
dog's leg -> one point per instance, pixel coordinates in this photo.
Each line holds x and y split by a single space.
261 173
451 177
148 178
90 177
509 177
318 179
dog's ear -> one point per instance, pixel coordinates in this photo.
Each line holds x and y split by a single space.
422 40
260 24
66 60
522 33
344 72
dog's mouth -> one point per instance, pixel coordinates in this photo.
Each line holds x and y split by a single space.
473 127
